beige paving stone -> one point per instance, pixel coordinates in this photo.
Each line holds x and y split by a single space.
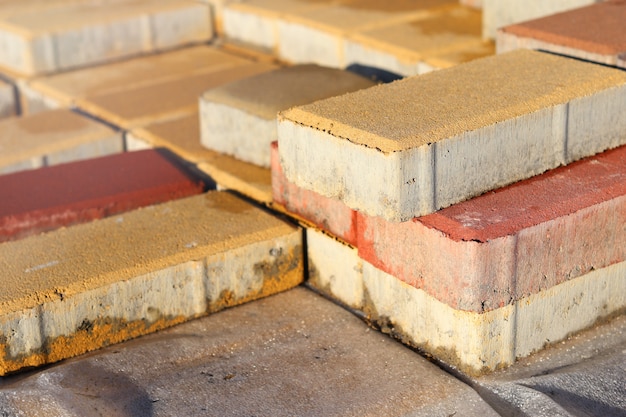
166 100
66 87
83 33
53 137
414 146
7 100
473 342
182 136
404 47
255 22
318 35
72 291
239 118
593 33
499 13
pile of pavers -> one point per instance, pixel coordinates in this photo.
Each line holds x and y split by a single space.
164 160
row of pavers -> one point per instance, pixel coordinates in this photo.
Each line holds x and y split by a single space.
612 78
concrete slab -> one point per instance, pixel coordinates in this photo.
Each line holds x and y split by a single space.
583 375
182 136
473 342
62 297
500 13
290 354
239 118
401 161
143 105
45 199
594 33
53 137
84 33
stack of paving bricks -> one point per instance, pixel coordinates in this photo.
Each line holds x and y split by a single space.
405 37
476 282
97 254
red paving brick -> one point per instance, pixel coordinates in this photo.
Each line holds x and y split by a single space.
504 245
598 29
507 244
326 213
48 198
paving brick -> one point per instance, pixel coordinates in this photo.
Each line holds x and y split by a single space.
318 35
404 47
595 33
7 100
255 22
417 145
239 118
182 136
474 342
71 291
82 33
66 88
506 245
499 13
328 214
45 199
53 137
143 105
217 11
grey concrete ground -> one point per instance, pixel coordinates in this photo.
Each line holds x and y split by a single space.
297 354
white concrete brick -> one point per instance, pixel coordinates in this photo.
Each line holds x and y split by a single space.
171 28
591 116
475 342
301 43
232 131
239 118
251 28
335 268
356 52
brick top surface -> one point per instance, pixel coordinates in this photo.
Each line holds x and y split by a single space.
599 28
87 256
46 132
554 194
99 179
146 70
431 34
420 110
268 93
147 104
